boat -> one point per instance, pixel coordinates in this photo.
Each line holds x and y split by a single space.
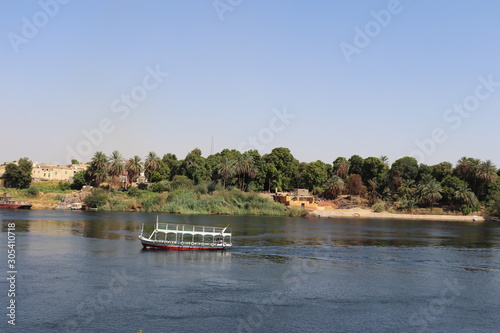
172 236
6 201
76 206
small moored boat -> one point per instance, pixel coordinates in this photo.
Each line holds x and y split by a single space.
6 201
186 237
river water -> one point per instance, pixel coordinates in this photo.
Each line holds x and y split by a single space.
87 272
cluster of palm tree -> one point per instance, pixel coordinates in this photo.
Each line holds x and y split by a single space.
429 191
243 168
103 167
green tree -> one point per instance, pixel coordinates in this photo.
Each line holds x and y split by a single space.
407 167
116 167
465 197
441 170
315 174
133 168
151 164
281 169
193 166
226 170
450 185
98 168
97 198
429 191
374 169
245 170
19 175
356 165
335 186
80 179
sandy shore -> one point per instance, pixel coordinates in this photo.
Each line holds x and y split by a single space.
366 213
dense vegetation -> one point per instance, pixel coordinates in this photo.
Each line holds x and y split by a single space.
465 187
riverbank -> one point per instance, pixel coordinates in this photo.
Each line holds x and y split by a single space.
366 213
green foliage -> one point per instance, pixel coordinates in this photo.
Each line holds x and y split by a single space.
33 191
181 182
281 169
356 165
201 188
407 167
378 207
64 186
96 199
142 186
58 197
160 187
80 179
314 175
19 176
494 205
134 192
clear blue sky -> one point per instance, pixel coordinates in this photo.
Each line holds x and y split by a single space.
228 77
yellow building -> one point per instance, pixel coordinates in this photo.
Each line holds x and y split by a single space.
44 172
299 199
65 173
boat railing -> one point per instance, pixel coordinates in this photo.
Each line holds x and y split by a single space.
194 229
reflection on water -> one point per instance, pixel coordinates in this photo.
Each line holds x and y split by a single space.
265 231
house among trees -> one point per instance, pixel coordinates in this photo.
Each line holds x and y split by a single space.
300 198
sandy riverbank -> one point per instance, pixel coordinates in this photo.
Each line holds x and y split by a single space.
366 213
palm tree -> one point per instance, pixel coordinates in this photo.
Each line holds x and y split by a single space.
134 168
116 166
152 162
335 186
487 172
384 159
226 169
98 168
430 193
244 168
409 204
464 196
373 195
463 167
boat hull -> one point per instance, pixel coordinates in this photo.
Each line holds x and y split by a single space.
183 246
15 206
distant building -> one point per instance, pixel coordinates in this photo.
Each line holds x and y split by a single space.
44 172
300 198
65 173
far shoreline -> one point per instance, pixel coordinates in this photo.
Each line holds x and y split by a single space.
353 213
359 213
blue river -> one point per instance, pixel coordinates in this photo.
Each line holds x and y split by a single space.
87 272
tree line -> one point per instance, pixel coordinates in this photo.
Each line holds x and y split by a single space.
464 186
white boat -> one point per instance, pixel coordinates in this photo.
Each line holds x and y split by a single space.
186 237
76 206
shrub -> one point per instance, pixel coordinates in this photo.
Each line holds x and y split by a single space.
134 192
201 188
58 197
160 187
33 191
64 186
142 186
181 182
96 198
378 207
